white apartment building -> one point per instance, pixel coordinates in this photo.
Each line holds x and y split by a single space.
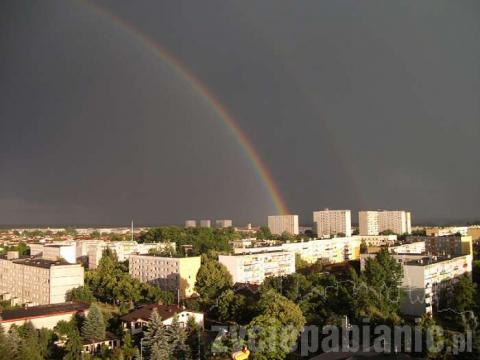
190 223
283 223
424 279
37 281
169 273
331 251
445 231
205 223
55 251
123 250
374 222
223 223
333 222
254 268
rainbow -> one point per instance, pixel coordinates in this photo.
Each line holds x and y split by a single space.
227 119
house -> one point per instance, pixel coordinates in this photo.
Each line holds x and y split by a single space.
136 320
94 346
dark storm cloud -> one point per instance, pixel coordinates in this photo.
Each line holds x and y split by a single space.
350 104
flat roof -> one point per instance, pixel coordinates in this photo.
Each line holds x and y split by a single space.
37 262
430 260
42 311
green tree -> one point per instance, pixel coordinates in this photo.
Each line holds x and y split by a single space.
94 326
73 346
231 306
156 339
213 279
81 293
263 233
129 350
177 336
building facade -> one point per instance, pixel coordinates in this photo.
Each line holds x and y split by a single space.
375 222
123 250
254 268
223 223
54 251
190 223
37 281
205 223
333 222
169 273
279 224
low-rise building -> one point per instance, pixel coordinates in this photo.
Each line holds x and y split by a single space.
205 223
136 320
169 273
254 268
43 316
37 281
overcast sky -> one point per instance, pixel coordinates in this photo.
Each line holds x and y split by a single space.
350 104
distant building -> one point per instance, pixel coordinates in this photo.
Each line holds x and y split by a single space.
43 316
37 281
223 223
254 268
190 223
474 232
55 251
169 273
375 222
453 245
205 223
123 250
333 222
137 320
283 223
444 231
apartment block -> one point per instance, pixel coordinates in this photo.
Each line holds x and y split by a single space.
223 223
333 222
254 268
37 281
283 223
169 273
445 245
374 222
190 223
425 278
448 230
123 250
55 251
205 223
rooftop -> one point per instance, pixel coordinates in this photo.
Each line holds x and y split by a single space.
144 312
430 260
37 262
41 311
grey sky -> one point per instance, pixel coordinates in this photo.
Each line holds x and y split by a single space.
351 104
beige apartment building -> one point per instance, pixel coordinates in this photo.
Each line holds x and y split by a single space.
169 273
254 268
374 222
55 251
283 223
37 281
223 223
333 222
190 223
